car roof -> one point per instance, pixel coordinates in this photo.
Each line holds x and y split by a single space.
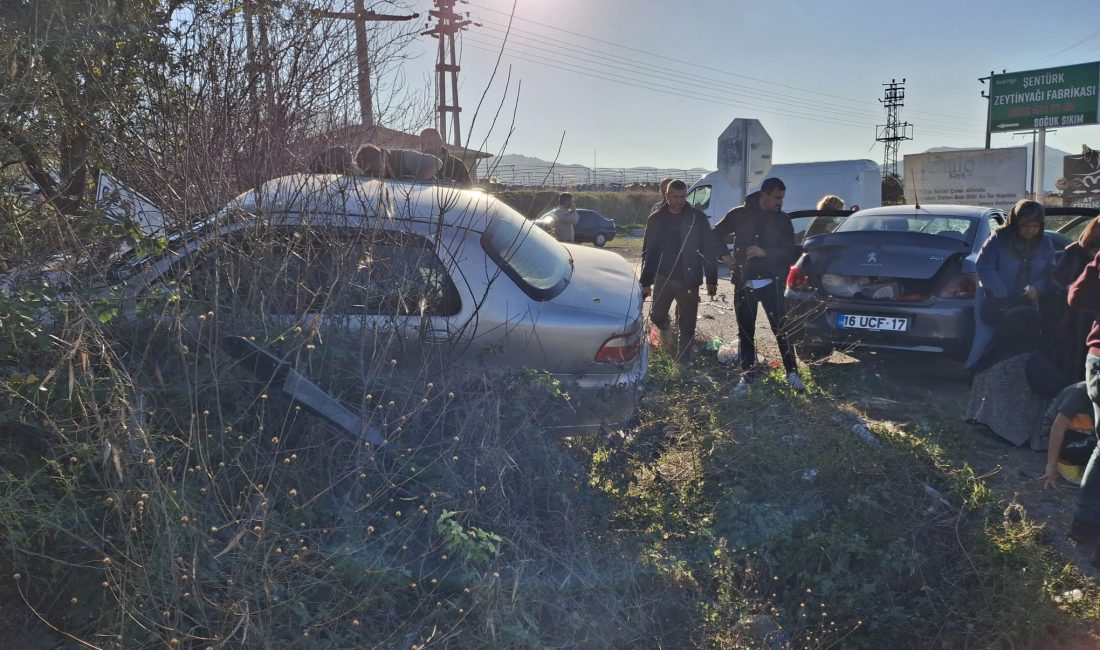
369 197
931 210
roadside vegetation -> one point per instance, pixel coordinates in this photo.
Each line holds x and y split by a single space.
155 493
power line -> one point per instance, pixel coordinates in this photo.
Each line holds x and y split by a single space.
663 90
1067 49
703 67
674 90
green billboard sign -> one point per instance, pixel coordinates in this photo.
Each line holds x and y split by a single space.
1042 99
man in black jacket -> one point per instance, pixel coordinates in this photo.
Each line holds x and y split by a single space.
677 252
763 251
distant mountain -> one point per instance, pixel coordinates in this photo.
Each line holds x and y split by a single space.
1052 166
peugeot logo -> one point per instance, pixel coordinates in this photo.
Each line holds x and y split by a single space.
872 257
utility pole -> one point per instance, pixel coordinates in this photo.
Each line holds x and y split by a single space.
988 107
447 24
893 131
361 17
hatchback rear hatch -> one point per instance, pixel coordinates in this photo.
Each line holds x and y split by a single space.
885 266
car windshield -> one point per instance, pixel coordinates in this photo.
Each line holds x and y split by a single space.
531 257
948 226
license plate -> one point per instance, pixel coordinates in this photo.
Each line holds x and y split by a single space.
873 323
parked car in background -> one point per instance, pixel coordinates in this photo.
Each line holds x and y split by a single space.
591 227
897 277
476 284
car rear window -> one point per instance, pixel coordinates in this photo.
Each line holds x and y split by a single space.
532 258
956 227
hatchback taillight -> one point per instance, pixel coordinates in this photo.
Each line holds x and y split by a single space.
621 348
797 279
963 285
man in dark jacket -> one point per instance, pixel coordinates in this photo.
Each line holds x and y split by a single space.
678 250
763 251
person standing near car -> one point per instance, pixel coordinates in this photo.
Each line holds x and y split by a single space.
565 217
763 251
1014 270
1084 294
662 187
830 202
1071 327
678 253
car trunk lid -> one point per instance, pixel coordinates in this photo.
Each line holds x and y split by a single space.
898 266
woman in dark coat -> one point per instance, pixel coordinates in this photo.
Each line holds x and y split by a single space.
1014 267
1071 325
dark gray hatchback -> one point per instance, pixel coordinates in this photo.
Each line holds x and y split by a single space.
897 277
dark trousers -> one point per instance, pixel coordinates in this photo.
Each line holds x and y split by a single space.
1086 516
771 299
686 295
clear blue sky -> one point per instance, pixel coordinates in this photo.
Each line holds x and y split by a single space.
654 82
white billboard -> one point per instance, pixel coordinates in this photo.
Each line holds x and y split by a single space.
994 178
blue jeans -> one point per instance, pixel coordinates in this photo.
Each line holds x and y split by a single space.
1086 517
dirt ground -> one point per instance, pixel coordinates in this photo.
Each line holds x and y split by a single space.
918 390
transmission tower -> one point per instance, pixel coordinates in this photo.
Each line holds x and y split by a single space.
447 24
893 132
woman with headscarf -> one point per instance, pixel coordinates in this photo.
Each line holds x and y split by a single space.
1014 269
1072 325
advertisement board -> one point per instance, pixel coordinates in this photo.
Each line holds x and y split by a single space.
1080 183
1048 98
994 178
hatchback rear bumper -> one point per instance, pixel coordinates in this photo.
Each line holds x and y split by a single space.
945 325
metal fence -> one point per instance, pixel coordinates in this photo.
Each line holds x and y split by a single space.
579 177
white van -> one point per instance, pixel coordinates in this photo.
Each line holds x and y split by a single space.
858 182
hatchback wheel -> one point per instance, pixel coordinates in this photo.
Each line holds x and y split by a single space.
600 240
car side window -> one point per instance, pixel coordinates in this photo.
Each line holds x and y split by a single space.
398 273
800 224
263 270
296 270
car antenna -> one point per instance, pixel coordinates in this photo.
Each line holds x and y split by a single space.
913 181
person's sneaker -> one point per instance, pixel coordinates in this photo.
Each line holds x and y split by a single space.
742 387
1070 472
796 382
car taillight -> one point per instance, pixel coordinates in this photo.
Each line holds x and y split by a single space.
797 279
621 348
963 285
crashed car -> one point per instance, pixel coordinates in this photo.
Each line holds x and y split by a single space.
897 278
424 270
